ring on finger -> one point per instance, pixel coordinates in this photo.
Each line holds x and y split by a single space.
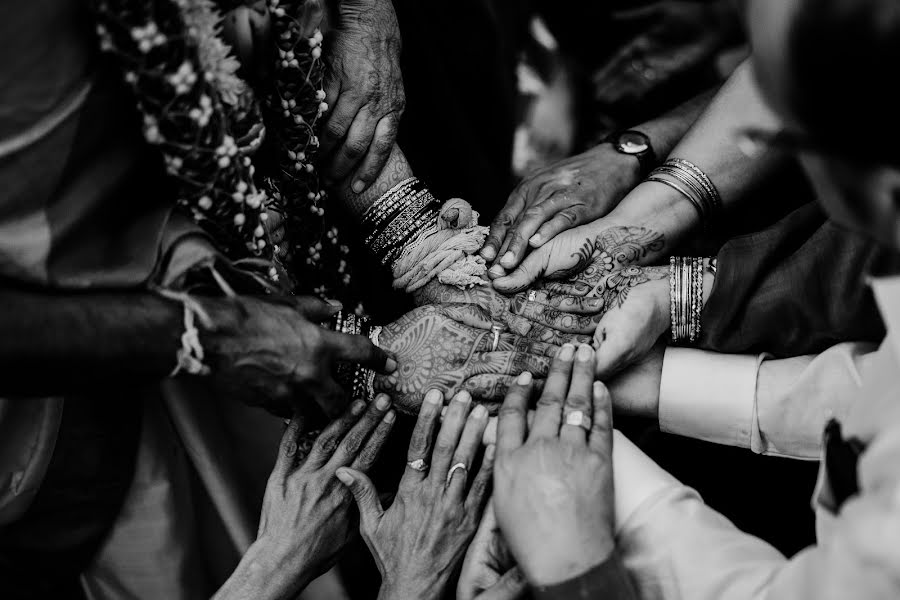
496 342
418 465
532 295
578 419
458 465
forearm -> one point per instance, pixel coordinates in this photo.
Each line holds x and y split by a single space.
667 130
54 343
396 170
260 576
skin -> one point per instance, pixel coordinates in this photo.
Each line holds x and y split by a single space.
489 571
364 88
420 540
558 477
307 516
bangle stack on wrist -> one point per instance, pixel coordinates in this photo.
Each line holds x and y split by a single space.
685 297
691 182
396 217
359 380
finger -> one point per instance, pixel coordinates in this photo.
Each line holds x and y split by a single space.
525 303
570 288
548 335
379 152
359 349
490 432
601 436
496 272
353 441
370 510
532 268
287 450
349 154
564 220
488 387
558 319
375 443
316 310
330 397
501 224
478 492
613 353
528 225
327 442
345 106
311 16
515 249
548 413
422 436
579 409
510 586
469 443
448 438
504 246
511 419
507 363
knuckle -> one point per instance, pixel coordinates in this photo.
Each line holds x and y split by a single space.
326 444
335 129
534 212
355 149
567 216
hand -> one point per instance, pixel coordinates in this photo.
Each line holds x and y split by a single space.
577 190
489 571
553 493
487 307
275 354
306 517
364 88
418 542
434 350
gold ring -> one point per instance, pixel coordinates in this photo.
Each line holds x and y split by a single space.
496 331
453 469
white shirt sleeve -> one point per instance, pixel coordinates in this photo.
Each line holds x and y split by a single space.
775 407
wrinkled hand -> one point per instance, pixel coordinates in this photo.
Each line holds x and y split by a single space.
364 88
419 541
275 355
307 514
489 571
435 350
577 190
493 308
558 481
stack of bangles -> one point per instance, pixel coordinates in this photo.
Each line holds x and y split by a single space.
686 295
359 380
397 217
691 182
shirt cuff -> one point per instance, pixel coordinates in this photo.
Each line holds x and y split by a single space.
709 396
608 580
636 479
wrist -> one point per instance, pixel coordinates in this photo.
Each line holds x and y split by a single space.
397 589
659 208
265 572
563 566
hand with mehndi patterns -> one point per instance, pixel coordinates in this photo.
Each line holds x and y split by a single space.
493 308
434 349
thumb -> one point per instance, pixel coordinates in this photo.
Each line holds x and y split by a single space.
370 510
510 586
534 265
611 348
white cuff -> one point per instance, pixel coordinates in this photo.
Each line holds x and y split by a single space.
709 396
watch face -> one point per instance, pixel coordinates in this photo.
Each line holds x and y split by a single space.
633 142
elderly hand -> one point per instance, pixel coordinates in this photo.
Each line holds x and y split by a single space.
553 489
275 354
435 350
420 540
489 571
364 88
572 192
306 517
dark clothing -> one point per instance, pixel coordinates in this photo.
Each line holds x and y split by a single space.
609 580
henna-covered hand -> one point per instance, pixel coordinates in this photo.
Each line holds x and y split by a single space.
364 88
487 308
434 349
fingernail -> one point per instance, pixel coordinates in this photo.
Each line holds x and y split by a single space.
567 352
524 378
497 270
390 365
479 412
489 451
488 252
335 303
463 397
345 477
434 397
443 412
585 353
508 258
599 389
358 186
536 240
595 302
382 402
389 418
357 407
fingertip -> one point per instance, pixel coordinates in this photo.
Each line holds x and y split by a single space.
524 378
489 252
358 186
463 396
434 397
536 240
382 401
479 412
344 476
496 271
490 451
390 365
509 260
390 417
585 353
357 408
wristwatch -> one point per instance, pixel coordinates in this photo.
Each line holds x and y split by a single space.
636 144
